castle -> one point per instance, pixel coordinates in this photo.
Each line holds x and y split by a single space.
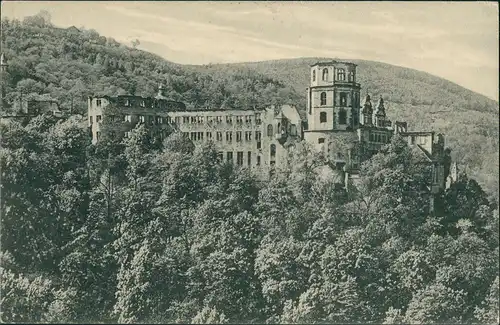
347 131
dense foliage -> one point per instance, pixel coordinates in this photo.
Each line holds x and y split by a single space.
71 64
138 231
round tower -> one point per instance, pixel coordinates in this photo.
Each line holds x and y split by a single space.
333 97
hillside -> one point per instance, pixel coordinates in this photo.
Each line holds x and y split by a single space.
71 64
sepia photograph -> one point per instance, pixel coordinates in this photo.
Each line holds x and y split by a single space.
251 162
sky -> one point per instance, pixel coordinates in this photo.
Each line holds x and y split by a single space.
457 41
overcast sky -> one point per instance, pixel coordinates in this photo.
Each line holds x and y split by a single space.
456 41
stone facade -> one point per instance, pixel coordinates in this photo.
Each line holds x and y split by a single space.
337 124
257 139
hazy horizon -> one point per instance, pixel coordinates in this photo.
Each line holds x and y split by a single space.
452 40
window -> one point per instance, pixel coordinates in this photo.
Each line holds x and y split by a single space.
238 136
371 137
97 135
314 75
200 119
192 136
98 118
258 135
143 103
351 76
185 119
159 120
219 136
230 156
126 134
323 98
229 137
218 119
127 102
248 135
270 130
209 119
200 135
293 130
258 160
209 136
239 119
341 74
322 117
412 139
342 117
379 138
98 103
343 99
220 156
272 151
177 120
258 120
229 120
248 119
259 145
239 158
325 74
91 118
249 158
142 118
321 140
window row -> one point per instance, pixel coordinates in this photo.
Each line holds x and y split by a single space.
248 136
380 138
184 119
240 157
323 117
153 103
342 99
341 75
271 130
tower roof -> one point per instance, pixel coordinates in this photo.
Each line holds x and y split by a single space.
367 107
380 107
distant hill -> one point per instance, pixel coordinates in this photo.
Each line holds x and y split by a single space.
71 64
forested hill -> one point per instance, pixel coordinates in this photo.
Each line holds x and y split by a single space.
70 64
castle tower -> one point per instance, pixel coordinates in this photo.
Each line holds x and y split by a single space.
333 97
379 114
367 111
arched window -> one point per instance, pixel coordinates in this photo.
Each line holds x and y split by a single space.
314 75
325 74
323 98
342 117
322 117
341 74
270 130
273 151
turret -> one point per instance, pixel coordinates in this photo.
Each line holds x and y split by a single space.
367 111
379 114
